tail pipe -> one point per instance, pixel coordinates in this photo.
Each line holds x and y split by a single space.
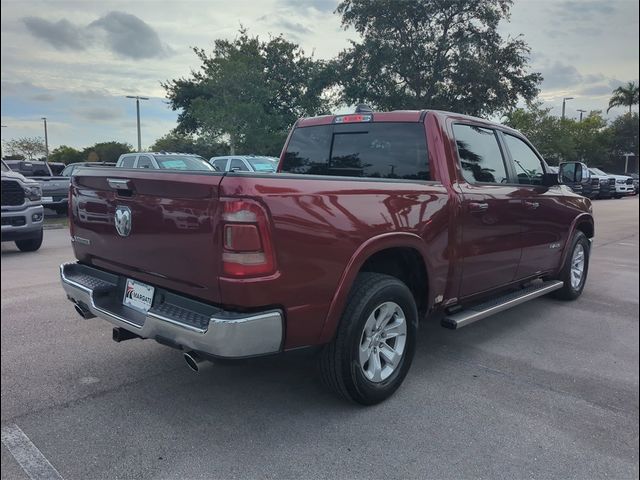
193 360
83 311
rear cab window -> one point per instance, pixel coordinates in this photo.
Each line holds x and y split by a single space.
367 149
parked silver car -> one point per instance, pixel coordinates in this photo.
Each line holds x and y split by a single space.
245 163
163 161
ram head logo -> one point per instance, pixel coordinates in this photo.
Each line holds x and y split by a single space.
123 221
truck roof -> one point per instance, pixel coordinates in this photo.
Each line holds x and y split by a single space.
397 116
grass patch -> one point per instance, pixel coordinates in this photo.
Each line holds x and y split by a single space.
56 221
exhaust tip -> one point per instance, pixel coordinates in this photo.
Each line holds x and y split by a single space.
193 360
83 311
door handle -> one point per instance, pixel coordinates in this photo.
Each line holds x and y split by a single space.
118 183
478 206
531 205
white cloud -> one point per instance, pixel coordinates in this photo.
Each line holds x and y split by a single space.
77 60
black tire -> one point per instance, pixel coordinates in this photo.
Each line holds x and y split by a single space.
60 209
31 244
569 292
339 363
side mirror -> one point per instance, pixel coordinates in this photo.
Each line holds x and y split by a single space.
573 173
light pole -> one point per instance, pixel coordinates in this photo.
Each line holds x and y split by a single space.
46 140
626 161
564 105
581 112
138 98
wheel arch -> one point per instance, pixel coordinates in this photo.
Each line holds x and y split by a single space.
374 255
584 223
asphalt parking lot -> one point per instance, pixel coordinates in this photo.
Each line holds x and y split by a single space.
545 390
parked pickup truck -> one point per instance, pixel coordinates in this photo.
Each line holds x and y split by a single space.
55 189
374 222
22 213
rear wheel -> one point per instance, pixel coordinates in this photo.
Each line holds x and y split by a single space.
574 272
373 348
31 244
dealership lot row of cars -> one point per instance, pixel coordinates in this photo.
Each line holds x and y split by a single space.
28 186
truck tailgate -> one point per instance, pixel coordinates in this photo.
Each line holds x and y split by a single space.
171 242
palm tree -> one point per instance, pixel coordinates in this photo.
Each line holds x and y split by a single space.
624 95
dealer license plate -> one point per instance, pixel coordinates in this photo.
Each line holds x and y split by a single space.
138 296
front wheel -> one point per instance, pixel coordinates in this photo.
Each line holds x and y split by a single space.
31 244
373 348
575 269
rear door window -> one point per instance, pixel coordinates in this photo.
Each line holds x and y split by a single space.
144 162
128 161
480 155
238 165
372 150
220 164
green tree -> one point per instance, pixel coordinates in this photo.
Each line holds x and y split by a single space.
441 54
249 92
27 147
547 133
106 151
184 143
624 96
591 138
563 140
623 139
66 155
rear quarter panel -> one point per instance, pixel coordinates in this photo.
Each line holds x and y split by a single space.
323 229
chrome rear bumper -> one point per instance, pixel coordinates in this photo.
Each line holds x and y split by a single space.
173 319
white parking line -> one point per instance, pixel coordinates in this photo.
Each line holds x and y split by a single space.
32 461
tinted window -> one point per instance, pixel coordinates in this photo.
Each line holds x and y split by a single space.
145 162
262 164
127 162
375 150
29 169
220 164
526 163
68 171
183 162
480 155
238 166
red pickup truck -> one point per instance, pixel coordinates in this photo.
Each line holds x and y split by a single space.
374 222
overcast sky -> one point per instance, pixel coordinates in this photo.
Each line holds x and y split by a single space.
74 61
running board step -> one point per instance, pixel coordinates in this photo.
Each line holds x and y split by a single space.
499 304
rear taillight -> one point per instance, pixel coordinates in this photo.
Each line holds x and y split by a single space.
246 239
70 215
